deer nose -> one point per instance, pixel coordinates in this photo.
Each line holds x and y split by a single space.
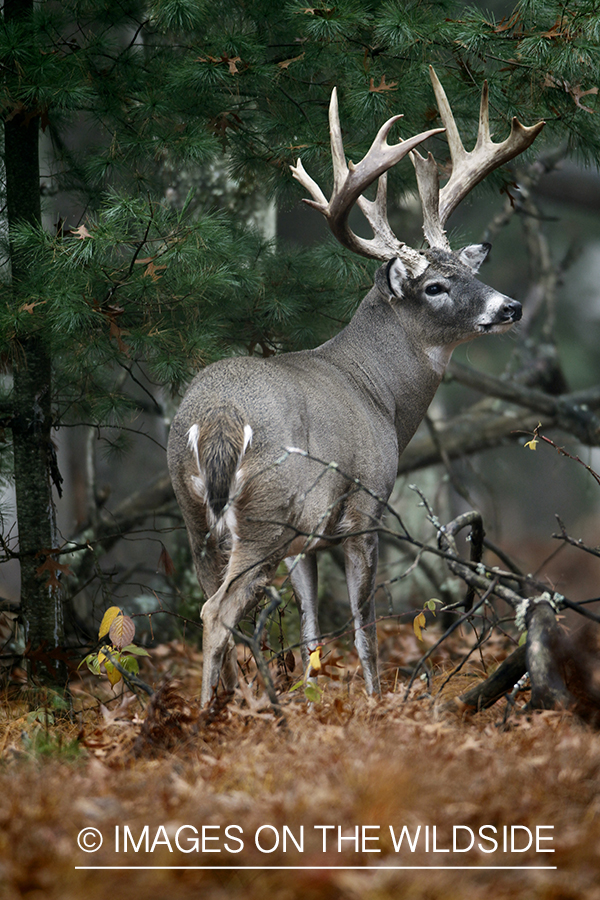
512 311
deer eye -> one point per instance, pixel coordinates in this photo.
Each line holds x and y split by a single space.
433 289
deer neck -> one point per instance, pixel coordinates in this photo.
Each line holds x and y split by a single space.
385 358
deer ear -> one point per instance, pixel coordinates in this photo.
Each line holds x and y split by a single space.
473 255
396 273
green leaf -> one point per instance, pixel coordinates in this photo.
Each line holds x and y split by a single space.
130 663
313 693
137 651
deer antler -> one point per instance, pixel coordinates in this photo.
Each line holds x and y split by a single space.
468 168
349 182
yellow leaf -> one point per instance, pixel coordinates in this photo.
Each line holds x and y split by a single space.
107 619
532 444
419 622
315 659
101 657
112 674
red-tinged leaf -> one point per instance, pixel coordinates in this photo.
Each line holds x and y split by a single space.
165 563
116 332
51 568
121 631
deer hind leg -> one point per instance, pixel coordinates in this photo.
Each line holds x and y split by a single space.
220 614
361 567
303 575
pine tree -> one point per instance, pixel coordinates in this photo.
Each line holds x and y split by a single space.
181 84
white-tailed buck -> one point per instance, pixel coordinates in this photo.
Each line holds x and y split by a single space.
245 446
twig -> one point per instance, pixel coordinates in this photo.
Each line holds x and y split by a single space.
253 642
447 634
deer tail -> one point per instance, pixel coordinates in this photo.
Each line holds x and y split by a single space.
218 445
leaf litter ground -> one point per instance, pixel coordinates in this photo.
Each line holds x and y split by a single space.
345 761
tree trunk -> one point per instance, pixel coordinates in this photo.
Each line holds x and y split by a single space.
41 605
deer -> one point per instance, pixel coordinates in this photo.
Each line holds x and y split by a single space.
274 459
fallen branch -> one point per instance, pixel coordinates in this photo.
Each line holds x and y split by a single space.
497 685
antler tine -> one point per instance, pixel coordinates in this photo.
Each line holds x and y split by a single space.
468 168
375 212
349 182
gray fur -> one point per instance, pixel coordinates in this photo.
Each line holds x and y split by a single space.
355 401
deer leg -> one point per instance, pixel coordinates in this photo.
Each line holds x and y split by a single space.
303 575
361 567
221 613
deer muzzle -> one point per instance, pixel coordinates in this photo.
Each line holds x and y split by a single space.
511 311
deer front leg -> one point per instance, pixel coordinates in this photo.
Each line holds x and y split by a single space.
361 555
303 575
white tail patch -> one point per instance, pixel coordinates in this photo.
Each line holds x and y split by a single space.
226 520
199 487
193 435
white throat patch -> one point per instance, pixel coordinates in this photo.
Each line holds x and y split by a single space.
440 357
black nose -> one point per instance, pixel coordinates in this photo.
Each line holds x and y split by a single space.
512 311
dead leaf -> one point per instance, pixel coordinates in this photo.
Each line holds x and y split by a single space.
81 233
51 567
314 11
231 62
577 94
286 63
151 270
382 86
575 91
29 307
504 24
419 622
165 563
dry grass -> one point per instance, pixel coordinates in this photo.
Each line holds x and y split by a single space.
345 762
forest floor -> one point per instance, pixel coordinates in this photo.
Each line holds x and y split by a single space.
238 804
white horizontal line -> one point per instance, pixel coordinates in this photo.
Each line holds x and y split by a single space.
324 868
